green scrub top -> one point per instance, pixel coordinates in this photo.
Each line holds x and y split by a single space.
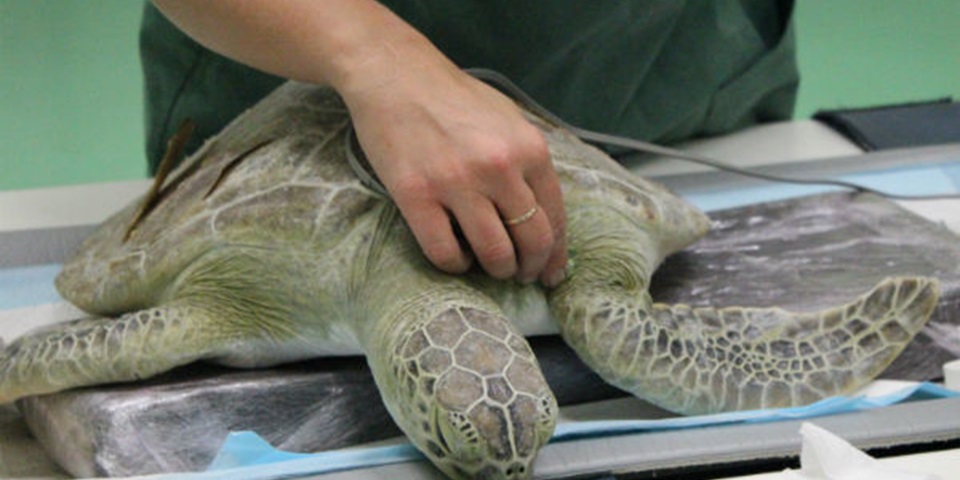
656 70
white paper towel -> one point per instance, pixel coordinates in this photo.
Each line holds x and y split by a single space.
951 375
825 456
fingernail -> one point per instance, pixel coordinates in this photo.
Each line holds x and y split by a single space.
556 278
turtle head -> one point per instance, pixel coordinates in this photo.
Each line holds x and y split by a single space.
467 391
492 440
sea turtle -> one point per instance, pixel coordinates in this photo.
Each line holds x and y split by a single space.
264 247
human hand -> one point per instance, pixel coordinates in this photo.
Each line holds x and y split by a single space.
449 149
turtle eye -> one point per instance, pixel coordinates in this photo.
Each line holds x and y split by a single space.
457 435
547 418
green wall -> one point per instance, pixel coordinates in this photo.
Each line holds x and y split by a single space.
856 53
70 92
70 86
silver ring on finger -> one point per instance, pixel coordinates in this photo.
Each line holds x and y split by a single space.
522 218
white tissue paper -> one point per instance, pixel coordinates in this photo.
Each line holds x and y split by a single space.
825 456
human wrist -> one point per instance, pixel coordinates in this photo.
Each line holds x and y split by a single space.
366 70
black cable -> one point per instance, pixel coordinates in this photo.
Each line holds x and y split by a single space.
506 86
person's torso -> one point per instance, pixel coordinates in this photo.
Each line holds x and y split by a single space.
654 70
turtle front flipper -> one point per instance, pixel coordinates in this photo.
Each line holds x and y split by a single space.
95 351
704 360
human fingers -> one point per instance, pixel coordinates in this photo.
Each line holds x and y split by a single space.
546 186
527 224
533 239
533 210
483 229
430 223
